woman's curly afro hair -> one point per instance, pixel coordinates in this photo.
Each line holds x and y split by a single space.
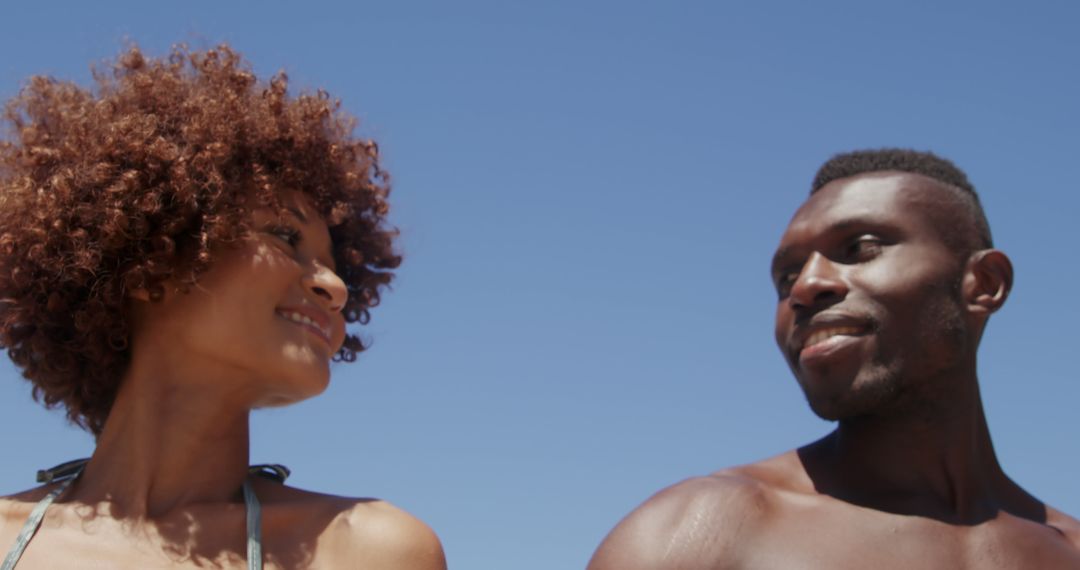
141 181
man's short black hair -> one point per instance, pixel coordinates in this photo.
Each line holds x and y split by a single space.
928 164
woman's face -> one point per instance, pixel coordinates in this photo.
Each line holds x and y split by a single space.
267 312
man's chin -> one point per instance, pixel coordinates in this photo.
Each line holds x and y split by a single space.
857 402
828 411
829 399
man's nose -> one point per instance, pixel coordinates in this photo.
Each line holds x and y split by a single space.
819 283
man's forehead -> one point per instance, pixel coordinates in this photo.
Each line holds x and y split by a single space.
894 195
895 199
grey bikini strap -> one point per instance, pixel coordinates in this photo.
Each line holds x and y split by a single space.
34 522
274 472
71 471
254 528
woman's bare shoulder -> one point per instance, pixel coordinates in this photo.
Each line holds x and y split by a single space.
15 510
32 495
397 538
355 530
21 503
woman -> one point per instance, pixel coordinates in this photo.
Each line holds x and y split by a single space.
177 248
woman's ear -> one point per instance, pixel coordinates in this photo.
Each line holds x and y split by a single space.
150 294
988 279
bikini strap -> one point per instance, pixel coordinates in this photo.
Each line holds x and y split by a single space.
272 471
34 522
254 528
68 472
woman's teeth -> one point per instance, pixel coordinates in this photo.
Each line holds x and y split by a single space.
302 319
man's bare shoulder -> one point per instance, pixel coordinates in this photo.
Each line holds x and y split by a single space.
782 473
702 522
1068 526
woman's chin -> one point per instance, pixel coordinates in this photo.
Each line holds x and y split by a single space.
291 394
304 374
312 354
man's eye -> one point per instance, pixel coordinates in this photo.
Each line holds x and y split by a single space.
864 247
784 283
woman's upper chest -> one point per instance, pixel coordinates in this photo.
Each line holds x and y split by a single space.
204 537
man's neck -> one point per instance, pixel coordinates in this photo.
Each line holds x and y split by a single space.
938 465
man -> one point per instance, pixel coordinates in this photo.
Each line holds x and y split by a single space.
886 277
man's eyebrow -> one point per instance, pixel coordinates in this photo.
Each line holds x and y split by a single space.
778 257
852 223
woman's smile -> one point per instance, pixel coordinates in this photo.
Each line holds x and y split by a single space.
316 324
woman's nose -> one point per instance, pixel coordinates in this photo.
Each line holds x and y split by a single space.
327 286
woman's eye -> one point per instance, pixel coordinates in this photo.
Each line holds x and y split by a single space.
287 234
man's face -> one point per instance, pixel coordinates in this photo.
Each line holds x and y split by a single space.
869 308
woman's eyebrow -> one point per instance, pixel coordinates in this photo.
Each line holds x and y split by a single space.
329 262
296 212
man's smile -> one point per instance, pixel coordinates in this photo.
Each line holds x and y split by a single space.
823 335
827 343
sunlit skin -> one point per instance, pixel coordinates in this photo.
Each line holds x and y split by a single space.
162 489
879 319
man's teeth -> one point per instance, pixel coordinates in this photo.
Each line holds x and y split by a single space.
825 334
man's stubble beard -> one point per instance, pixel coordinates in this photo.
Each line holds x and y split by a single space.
893 385
874 390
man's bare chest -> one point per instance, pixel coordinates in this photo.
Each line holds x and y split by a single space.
882 541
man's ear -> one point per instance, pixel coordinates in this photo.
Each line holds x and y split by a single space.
988 279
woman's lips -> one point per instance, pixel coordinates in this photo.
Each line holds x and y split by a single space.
307 323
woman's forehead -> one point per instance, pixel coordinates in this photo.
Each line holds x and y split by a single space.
292 202
299 201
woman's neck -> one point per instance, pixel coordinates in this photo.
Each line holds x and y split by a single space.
177 435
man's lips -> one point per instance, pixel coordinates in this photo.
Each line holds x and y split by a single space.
827 342
825 332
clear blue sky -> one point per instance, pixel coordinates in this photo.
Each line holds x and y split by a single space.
589 194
